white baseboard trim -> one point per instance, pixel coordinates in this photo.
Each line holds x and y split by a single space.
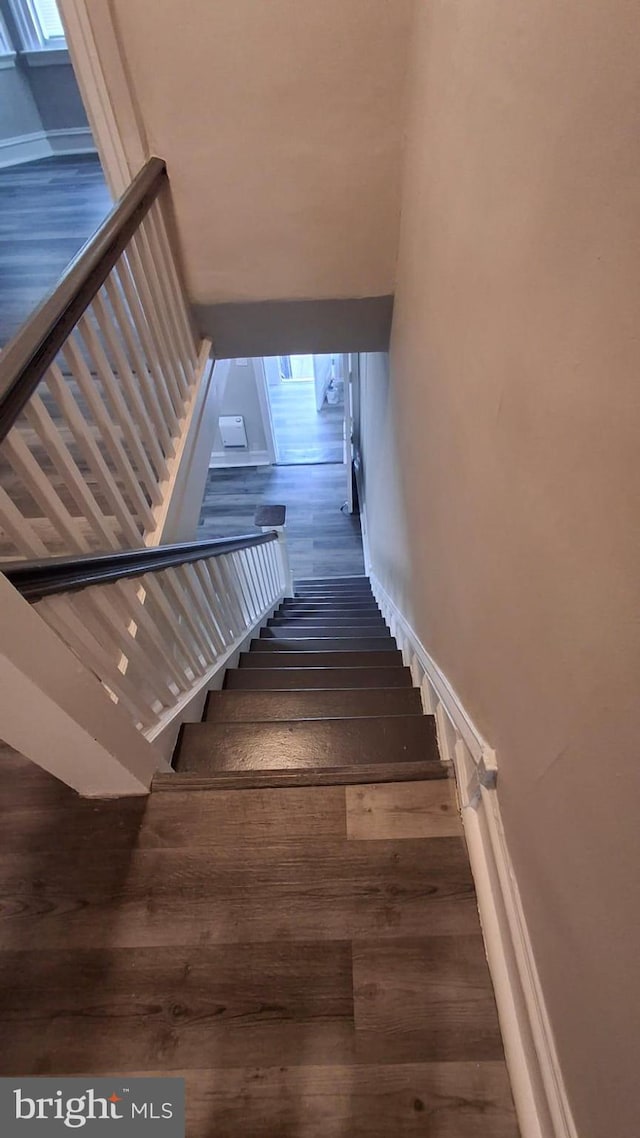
220 459
72 140
43 144
24 148
536 1078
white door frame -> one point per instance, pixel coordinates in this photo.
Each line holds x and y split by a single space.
111 107
262 386
345 363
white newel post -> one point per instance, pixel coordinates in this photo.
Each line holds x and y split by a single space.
56 713
274 518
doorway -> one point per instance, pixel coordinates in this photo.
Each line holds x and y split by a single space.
298 452
306 396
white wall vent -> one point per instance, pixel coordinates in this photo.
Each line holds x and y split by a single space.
232 431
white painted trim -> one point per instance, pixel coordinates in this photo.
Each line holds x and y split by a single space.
223 459
92 38
47 57
538 1087
7 60
43 143
177 515
72 140
190 709
24 148
266 411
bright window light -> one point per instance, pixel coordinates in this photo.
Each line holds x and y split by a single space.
49 19
39 24
6 47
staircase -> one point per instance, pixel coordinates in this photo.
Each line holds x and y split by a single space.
321 697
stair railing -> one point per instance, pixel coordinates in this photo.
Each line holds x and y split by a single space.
96 390
155 626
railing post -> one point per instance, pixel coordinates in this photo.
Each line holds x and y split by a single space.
274 518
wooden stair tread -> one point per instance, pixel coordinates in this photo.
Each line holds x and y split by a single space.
357 578
285 631
357 597
343 595
323 605
325 643
306 745
376 659
286 679
333 776
258 706
322 620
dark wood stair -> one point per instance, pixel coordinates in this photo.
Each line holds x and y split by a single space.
321 697
321 659
317 643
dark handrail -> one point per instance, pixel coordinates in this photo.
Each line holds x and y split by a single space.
26 358
43 578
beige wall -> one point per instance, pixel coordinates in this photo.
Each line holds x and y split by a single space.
281 123
514 412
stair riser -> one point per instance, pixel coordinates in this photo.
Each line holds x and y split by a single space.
342 595
326 644
291 679
304 631
320 659
269 706
322 594
323 622
303 745
340 611
349 579
343 602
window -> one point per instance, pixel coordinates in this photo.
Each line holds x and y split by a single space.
39 24
6 47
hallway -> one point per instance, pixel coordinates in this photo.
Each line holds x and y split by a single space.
302 434
322 539
310 960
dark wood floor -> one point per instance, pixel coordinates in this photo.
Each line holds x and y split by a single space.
304 435
323 541
309 959
48 209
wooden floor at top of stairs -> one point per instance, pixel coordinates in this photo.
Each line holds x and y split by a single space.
310 961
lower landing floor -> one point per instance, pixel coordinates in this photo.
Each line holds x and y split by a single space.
323 540
309 960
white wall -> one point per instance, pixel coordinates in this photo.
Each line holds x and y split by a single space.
244 395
